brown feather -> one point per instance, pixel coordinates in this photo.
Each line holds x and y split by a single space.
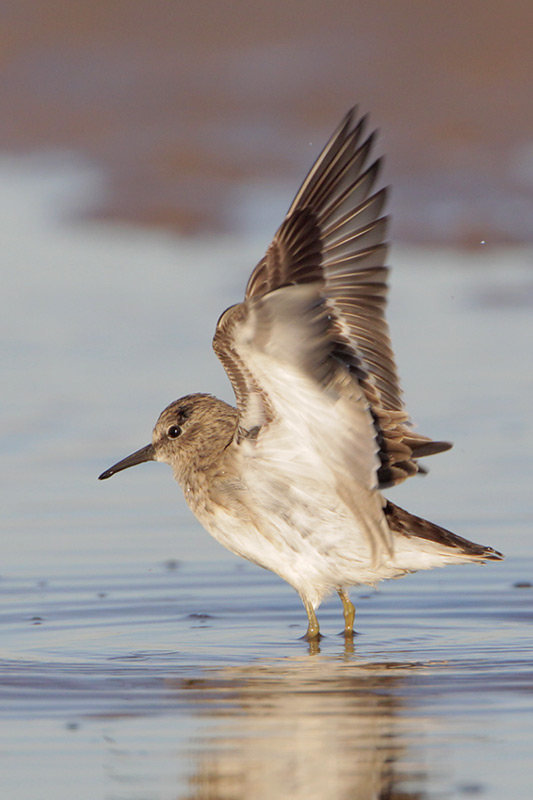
409 525
334 235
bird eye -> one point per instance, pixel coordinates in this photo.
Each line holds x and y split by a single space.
174 431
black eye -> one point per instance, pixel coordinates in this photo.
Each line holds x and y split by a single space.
174 431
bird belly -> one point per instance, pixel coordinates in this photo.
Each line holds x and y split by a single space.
310 539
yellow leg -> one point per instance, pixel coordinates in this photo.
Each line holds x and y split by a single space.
349 612
313 631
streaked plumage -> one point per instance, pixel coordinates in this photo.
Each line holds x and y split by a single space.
291 479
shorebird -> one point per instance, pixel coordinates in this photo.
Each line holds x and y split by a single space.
292 478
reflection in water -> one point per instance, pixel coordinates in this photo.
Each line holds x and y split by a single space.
304 728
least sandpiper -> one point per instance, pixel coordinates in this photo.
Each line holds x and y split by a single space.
292 478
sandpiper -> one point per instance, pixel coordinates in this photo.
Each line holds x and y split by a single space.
291 479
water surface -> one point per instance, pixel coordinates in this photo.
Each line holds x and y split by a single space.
139 659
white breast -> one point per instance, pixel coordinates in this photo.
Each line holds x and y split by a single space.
286 516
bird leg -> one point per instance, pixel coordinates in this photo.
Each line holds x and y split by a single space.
313 631
349 612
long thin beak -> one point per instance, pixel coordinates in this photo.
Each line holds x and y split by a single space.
140 456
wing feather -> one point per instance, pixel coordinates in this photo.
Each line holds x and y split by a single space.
334 236
320 426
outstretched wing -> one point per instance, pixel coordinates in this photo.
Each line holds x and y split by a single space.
306 417
334 236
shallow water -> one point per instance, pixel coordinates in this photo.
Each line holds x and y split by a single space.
139 659
190 681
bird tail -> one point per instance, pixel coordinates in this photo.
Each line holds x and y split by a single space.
420 544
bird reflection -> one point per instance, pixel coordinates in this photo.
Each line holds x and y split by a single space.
305 728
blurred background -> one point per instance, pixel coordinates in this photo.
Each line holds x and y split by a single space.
148 152
201 114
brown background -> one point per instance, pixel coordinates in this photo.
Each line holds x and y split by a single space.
184 103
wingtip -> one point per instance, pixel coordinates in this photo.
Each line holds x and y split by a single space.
491 554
